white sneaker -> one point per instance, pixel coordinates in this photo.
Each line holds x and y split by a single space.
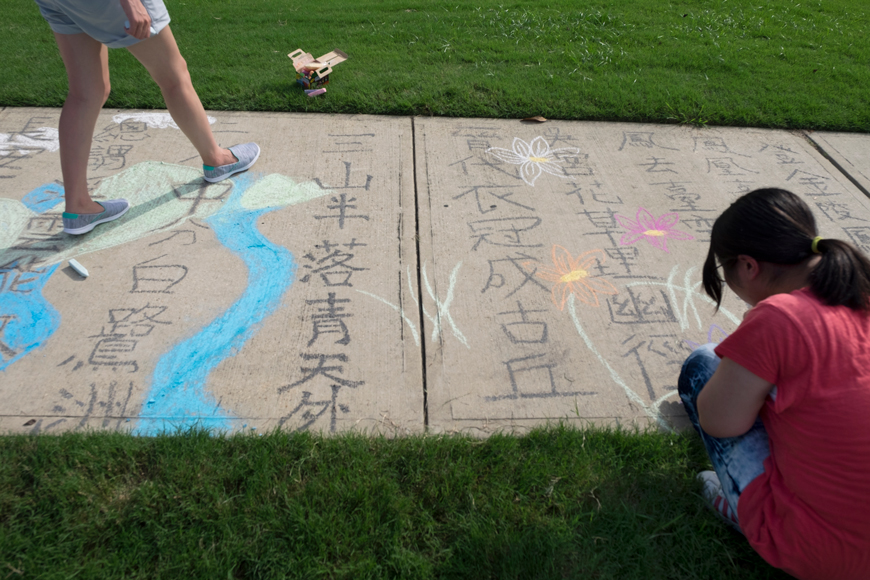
712 492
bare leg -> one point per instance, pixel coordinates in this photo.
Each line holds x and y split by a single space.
87 68
160 56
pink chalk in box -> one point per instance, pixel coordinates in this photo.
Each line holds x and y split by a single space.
312 72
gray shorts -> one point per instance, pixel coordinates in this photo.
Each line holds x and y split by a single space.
102 20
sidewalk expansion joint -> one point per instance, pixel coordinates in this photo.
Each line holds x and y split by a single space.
419 281
834 162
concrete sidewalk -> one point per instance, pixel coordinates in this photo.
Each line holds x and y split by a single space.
381 274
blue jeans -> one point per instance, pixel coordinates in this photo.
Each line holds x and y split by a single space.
737 460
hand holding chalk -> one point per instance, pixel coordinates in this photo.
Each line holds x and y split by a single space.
127 28
138 23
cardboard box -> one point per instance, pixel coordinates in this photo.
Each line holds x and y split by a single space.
312 72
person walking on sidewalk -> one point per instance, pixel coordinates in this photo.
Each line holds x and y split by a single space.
83 30
782 404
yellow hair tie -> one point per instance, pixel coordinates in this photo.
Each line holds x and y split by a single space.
815 246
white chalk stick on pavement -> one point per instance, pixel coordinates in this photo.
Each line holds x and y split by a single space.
78 268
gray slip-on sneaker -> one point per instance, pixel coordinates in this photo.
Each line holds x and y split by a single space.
81 223
246 154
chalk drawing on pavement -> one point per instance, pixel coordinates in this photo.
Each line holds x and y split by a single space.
655 230
573 276
163 197
153 120
534 158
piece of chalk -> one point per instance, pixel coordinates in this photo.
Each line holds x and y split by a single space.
78 268
127 27
315 92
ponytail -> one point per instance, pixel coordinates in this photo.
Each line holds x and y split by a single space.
776 226
842 276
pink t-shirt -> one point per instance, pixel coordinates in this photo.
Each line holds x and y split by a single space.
809 512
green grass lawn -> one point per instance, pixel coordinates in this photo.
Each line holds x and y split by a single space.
557 503
725 62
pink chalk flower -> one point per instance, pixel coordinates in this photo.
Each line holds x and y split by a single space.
656 231
534 158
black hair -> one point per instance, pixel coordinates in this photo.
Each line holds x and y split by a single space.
776 226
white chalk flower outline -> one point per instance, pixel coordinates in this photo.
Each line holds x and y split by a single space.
534 158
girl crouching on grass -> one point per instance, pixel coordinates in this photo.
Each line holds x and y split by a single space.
783 404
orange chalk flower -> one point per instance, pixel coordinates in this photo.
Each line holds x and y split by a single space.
574 276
